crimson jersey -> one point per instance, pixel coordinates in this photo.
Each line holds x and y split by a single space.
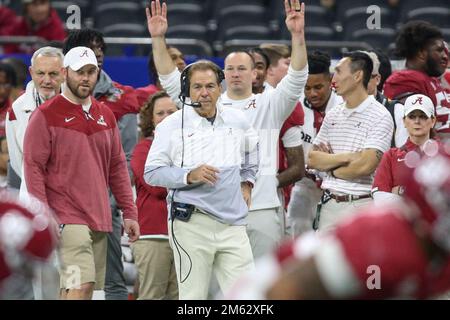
295 119
37 239
388 174
391 245
379 243
413 81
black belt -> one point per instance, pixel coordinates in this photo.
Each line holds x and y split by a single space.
349 197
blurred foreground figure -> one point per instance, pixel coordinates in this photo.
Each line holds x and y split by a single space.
398 250
28 240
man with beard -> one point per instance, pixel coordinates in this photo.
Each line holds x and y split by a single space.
124 101
46 72
72 154
422 44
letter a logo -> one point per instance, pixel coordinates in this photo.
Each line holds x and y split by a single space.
418 100
85 53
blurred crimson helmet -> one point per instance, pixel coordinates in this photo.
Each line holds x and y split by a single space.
428 186
28 235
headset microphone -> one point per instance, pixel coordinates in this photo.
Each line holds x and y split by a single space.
192 104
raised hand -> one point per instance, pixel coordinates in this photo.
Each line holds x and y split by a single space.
295 16
157 19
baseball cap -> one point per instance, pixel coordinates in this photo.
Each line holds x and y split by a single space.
78 57
419 102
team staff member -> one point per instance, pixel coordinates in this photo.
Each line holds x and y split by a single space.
152 253
350 143
319 98
212 150
419 120
123 101
266 113
46 72
73 178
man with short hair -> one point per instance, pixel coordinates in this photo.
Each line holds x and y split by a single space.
350 143
422 44
279 60
203 154
92 162
318 99
124 101
266 112
46 72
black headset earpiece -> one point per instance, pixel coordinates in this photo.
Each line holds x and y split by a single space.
185 82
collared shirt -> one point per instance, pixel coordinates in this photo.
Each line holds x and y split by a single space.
181 145
368 126
266 112
390 171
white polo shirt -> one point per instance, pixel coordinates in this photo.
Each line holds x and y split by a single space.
368 126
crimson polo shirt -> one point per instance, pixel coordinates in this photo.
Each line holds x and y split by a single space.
390 171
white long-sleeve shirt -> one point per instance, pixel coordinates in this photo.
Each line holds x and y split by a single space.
266 112
229 144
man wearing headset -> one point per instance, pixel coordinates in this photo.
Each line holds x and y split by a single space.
266 112
207 155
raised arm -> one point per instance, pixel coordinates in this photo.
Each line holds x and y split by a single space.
285 96
157 27
295 23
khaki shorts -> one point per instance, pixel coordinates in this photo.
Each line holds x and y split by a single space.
83 256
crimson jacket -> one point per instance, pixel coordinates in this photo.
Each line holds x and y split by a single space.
413 81
71 158
52 30
150 201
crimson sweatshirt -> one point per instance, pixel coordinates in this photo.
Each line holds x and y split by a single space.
70 159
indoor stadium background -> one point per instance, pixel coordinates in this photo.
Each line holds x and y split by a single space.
211 28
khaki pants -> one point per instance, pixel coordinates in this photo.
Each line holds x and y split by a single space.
332 212
207 245
156 269
265 230
83 257
303 205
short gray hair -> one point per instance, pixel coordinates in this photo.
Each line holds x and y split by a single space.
47 52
